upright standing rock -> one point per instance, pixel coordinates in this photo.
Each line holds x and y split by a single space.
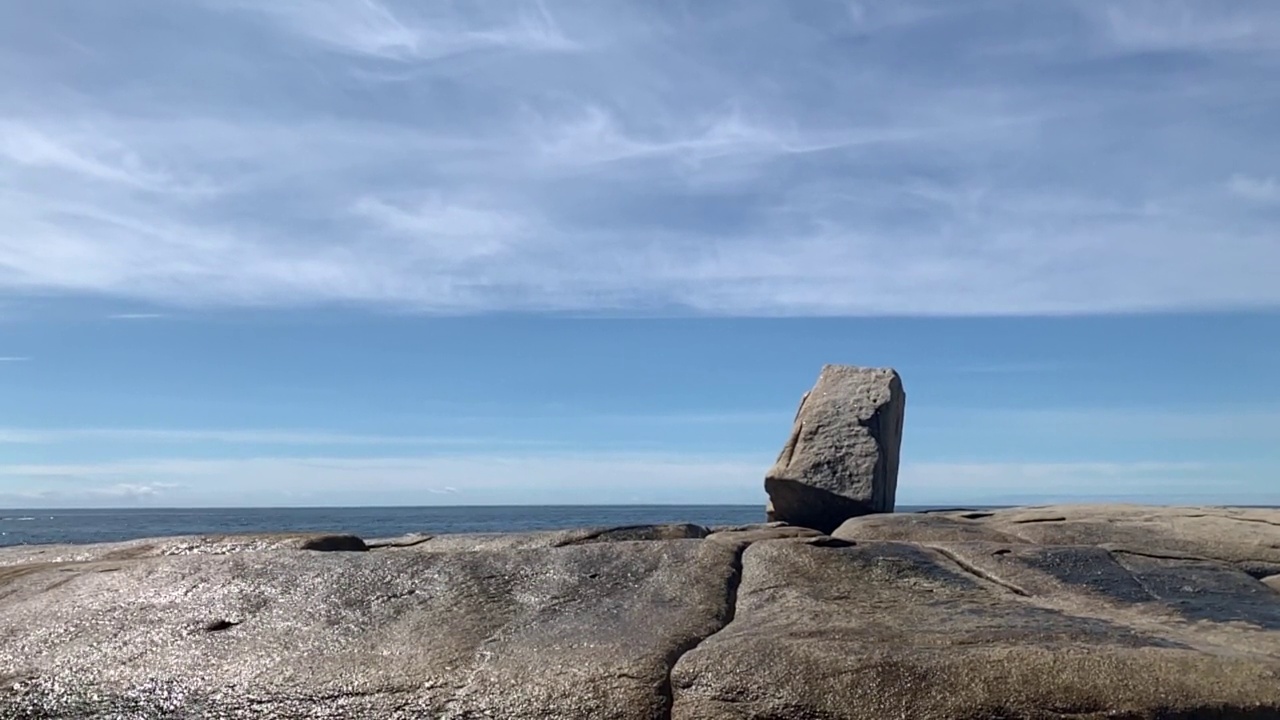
841 460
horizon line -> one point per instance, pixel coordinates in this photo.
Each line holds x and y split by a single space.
913 506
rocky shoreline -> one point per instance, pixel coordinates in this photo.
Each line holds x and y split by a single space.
1050 612
846 612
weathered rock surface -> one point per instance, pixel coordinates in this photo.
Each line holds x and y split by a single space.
1247 538
586 631
841 460
546 539
182 545
771 531
1116 612
897 630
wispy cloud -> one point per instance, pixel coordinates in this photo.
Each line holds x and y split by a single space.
1005 368
13 359
1018 483
1260 189
16 437
869 16
84 152
634 158
460 479
591 478
111 494
1086 427
1145 25
136 491
437 229
133 438
136 316
240 437
595 136
406 33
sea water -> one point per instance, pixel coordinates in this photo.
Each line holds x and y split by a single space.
21 527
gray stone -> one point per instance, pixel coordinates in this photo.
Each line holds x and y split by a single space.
1248 538
181 545
898 630
1102 612
586 631
682 531
920 527
477 542
841 460
755 533
401 541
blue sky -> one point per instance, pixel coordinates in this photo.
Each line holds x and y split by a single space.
376 252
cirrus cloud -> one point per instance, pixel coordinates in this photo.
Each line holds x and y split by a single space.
940 158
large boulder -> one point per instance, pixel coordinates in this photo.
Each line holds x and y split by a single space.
841 460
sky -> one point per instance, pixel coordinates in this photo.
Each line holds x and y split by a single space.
372 252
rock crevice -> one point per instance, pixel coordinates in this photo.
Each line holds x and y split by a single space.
978 572
731 607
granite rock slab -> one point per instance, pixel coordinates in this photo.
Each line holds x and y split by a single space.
1055 612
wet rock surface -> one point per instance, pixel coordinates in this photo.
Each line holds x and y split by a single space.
1076 612
181 545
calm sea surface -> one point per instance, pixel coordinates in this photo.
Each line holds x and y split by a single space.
21 527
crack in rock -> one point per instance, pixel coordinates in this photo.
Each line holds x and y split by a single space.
666 690
1157 555
379 545
1257 569
1233 517
978 572
644 533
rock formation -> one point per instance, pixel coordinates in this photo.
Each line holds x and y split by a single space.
1053 612
848 613
841 460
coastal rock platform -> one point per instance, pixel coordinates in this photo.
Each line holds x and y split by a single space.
1046 612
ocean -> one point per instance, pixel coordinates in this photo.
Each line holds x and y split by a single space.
30 527
22 527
